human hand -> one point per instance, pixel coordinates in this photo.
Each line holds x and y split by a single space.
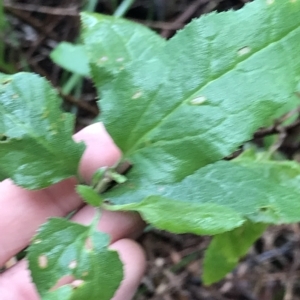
22 212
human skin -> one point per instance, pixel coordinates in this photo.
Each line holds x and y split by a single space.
22 212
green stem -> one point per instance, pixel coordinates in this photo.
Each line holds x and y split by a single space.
91 5
102 185
110 175
114 4
185 261
80 179
2 16
2 29
123 8
71 84
75 79
78 89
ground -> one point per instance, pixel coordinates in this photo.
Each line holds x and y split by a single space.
271 270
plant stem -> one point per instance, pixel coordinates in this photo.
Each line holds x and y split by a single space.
91 5
2 28
123 8
121 168
114 4
76 79
2 16
71 83
79 178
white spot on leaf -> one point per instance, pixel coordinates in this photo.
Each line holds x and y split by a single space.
269 2
198 100
102 59
244 51
37 241
73 264
137 95
161 188
120 59
43 261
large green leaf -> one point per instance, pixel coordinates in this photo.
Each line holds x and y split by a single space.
36 146
262 191
226 249
182 217
193 101
62 248
199 96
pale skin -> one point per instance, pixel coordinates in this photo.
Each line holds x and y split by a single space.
23 211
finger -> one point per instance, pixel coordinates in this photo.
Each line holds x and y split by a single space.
117 224
25 210
15 283
133 258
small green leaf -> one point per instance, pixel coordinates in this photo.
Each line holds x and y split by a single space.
36 145
62 248
119 178
180 217
72 58
89 195
227 248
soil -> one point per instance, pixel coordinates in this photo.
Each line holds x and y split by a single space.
271 269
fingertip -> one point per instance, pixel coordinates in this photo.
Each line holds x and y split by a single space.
97 127
15 283
133 257
100 151
115 223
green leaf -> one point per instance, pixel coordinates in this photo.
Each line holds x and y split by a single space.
72 58
62 248
199 218
36 145
113 43
178 110
195 100
259 190
227 248
89 195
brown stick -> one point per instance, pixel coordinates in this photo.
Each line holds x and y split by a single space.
181 19
68 11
